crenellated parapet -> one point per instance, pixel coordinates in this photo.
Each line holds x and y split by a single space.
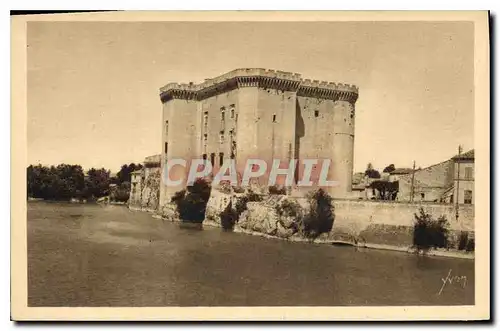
179 91
328 90
152 161
262 78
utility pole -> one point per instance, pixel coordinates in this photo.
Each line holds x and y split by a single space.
458 182
412 191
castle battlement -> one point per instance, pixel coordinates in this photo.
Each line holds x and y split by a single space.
263 78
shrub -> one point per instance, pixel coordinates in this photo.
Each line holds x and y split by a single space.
191 204
289 208
429 233
462 241
320 216
238 189
229 216
121 193
471 243
465 243
277 190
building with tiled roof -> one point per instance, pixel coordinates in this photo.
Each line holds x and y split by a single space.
441 182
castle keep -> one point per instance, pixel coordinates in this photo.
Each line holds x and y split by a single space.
268 115
259 113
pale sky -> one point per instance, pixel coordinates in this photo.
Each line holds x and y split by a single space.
93 86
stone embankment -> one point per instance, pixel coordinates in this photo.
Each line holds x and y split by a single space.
364 224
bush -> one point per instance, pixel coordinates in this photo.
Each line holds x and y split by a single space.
277 190
191 204
429 233
462 241
465 243
238 189
320 217
289 208
120 193
471 243
229 216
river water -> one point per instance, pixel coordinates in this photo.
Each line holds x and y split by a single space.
91 255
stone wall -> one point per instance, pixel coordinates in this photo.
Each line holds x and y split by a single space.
391 223
147 194
361 223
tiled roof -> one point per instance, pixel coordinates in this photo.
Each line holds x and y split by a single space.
401 171
465 156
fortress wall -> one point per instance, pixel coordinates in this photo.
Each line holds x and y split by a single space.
150 190
182 130
314 135
213 106
304 126
341 168
246 133
275 138
135 190
387 225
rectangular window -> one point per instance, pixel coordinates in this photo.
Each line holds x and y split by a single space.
274 118
212 159
222 137
205 137
468 197
221 159
204 156
468 172
166 148
316 113
205 120
231 111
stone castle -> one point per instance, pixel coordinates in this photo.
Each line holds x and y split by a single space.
265 114
258 113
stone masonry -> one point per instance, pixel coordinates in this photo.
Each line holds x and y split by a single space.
259 113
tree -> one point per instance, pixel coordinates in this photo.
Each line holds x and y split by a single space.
124 175
191 204
55 183
97 183
429 232
320 216
386 190
371 172
390 168
121 192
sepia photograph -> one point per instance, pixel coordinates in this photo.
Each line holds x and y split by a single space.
259 165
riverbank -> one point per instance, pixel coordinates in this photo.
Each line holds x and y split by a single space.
81 201
361 224
359 245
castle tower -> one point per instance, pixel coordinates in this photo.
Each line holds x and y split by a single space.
263 114
325 130
343 143
178 132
